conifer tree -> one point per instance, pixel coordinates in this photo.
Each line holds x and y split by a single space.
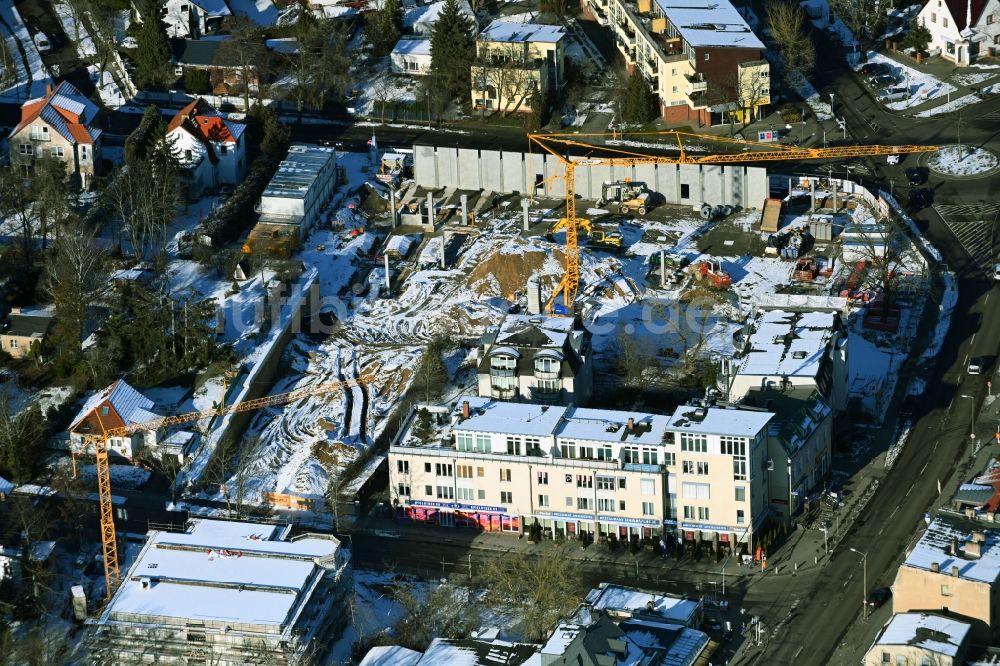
453 49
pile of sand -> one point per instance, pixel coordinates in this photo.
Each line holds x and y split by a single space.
507 269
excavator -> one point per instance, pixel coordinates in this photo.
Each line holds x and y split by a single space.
628 196
597 238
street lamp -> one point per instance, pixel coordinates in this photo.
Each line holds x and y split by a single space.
864 579
972 416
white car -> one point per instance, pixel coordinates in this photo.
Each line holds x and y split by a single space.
975 366
892 159
996 272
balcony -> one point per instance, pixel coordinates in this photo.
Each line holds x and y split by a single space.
696 84
497 371
547 374
503 392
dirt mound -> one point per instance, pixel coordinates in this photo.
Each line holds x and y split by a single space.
507 269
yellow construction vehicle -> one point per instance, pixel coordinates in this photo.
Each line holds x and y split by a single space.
557 145
112 575
627 196
605 240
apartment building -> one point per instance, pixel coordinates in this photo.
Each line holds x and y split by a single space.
916 639
702 59
697 476
536 358
227 593
786 348
954 569
513 61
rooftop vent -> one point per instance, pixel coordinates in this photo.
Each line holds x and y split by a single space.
935 567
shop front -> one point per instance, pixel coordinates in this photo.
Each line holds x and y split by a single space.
457 514
559 525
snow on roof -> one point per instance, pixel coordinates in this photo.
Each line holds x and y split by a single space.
629 600
785 343
473 652
934 633
606 425
555 330
391 655
222 571
127 406
429 14
298 171
283 44
6 487
561 639
501 31
412 47
935 545
719 421
41 551
400 244
713 23
512 418
213 7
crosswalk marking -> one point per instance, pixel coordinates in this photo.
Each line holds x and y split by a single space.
993 116
967 210
975 235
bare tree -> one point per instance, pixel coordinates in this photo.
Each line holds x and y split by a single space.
17 206
445 612
509 74
865 18
73 279
788 24
246 53
542 588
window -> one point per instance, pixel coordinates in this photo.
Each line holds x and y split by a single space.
25 149
463 441
428 490
604 452
694 443
586 453
649 457
481 494
647 508
567 450
506 497
737 448
741 494
672 507
886 658
445 492
188 154
673 89
630 454
689 512
465 471
687 467
480 472
569 502
945 590
944 21
740 517
39 133
83 153
57 151
513 445
543 500
403 490
673 71
13 344
647 487
403 466
505 475
442 469
531 444
543 478
427 467
466 493
703 513
702 469
991 19
699 491
605 483
668 459
483 443
621 483
223 149
707 56
583 503
901 660
606 505
933 17
621 505
584 481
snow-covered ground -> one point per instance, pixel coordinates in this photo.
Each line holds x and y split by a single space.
378 89
76 31
921 86
808 93
32 77
948 107
963 161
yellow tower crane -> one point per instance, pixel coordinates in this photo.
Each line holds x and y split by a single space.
558 144
112 576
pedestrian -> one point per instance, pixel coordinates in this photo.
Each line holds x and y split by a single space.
663 548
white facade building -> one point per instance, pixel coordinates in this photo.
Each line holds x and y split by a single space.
411 57
191 19
963 30
301 188
117 406
211 147
421 19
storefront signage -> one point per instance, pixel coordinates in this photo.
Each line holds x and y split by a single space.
711 528
458 506
589 517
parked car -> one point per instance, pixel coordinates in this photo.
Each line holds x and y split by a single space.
976 365
870 69
996 272
892 95
883 81
921 198
917 176
879 596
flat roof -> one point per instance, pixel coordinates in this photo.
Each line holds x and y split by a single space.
712 23
786 343
935 544
632 600
942 635
719 421
511 418
299 170
222 571
501 31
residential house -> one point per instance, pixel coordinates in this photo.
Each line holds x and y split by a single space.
601 641
23 331
538 359
962 30
420 20
513 61
63 124
916 639
211 147
193 19
485 650
696 476
620 602
6 488
221 63
702 60
117 406
790 347
954 569
224 592
800 439
411 57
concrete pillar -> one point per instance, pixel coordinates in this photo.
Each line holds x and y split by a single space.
387 285
534 296
392 205
663 270
524 209
812 195
444 241
790 180
833 186
465 209
430 211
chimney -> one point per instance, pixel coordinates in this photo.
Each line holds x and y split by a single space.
973 549
465 410
630 424
48 89
954 571
953 548
979 537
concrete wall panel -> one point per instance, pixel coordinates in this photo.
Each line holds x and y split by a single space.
513 172
447 163
756 187
646 173
469 169
425 166
491 170
689 183
712 190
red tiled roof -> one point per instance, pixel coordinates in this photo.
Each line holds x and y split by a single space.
960 11
31 110
214 128
79 132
